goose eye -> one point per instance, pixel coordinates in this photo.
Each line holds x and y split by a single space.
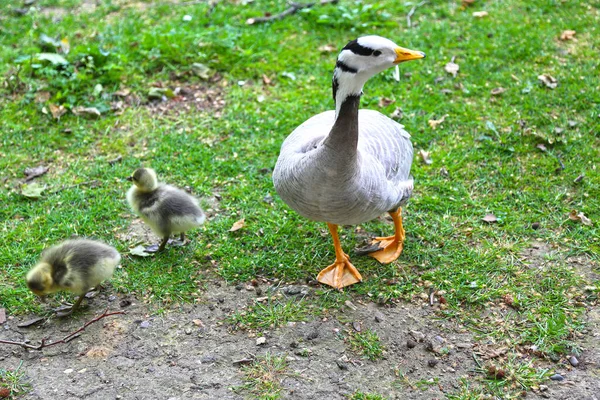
376 53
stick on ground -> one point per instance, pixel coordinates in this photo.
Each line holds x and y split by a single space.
66 339
294 8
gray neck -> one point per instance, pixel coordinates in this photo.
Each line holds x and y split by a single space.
343 137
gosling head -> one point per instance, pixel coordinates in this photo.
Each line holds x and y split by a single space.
144 179
39 279
372 54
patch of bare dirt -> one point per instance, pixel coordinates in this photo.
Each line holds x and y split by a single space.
189 98
190 353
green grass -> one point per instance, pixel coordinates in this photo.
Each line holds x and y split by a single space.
14 381
366 396
263 377
366 343
485 158
275 313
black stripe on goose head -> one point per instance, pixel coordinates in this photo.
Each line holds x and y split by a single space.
345 67
334 85
356 48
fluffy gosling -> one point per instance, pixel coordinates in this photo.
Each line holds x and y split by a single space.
166 209
75 266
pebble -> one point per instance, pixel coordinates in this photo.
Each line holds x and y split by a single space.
543 388
294 345
535 225
124 303
238 287
432 363
356 326
557 377
411 343
379 316
342 365
312 335
188 331
261 340
291 290
144 324
574 361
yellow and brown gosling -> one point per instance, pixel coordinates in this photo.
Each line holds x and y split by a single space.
76 266
165 208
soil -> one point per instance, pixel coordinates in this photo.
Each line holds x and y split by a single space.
191 353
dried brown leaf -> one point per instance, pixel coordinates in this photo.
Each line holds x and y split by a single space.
123 92
266 80
580 216
496 373
384 101
42 97
328 48
567 35
498 91
452 68
433 123
31 173
238 225
489 218
466 3
86 111
548 81
425 157
57 111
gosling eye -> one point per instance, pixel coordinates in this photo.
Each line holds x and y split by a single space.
376 53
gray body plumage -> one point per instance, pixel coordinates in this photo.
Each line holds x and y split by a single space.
326 174
166 209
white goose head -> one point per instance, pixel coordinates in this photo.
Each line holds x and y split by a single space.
362 58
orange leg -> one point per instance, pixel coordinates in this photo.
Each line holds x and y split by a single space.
390 247
341 273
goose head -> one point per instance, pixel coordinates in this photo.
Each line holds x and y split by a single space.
362 58
144 179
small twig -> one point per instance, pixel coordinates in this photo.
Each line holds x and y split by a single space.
431 296
67 338
115 160
412 12
294 8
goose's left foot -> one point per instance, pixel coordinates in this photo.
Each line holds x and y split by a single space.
388 249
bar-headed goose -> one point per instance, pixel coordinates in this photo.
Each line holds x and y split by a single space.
348 166
74 265
165 208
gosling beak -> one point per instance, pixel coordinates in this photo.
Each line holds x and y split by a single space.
129 178
403 54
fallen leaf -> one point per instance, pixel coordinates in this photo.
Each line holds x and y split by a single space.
498 91
124 92
139 251
42 97
198 323
579 178
548 81
31 173
433 123
466 3
328 48
290 75
158 93
57 111
567 35
54 58
250 21
452 68
4 393
30 322
580 216
425 157
238 225
81 111
480 14
384 102
542 147
266 80
496 373
32 190
489 218
201 70
397 114
2 316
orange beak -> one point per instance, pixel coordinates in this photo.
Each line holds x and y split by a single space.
403 54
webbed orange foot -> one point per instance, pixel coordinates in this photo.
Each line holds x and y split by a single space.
340 274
